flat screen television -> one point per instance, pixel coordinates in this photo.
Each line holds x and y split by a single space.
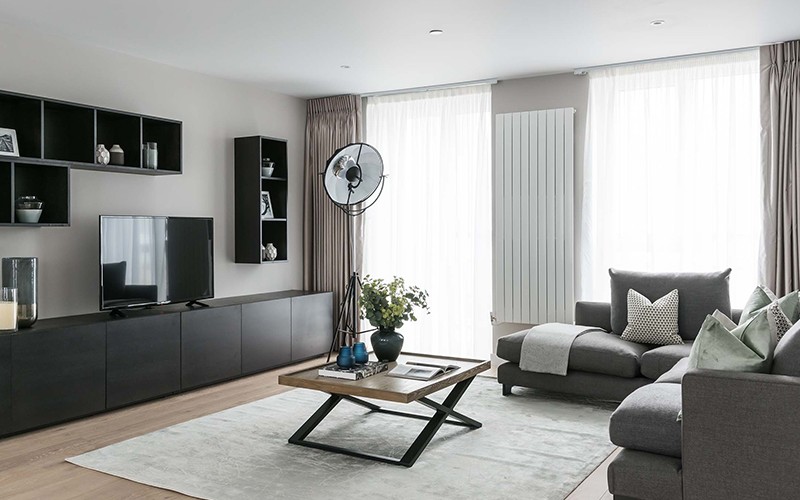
148 260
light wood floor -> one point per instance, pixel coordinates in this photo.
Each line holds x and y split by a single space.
32 465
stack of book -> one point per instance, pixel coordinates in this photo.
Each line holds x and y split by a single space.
355 373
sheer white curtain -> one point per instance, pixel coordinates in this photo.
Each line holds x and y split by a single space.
672 170
432 224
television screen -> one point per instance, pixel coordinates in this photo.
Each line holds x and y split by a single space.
147 260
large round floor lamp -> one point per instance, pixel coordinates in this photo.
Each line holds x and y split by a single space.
353 180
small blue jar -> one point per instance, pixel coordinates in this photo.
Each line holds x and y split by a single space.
345 358
360 353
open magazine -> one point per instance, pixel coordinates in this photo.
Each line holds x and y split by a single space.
420 371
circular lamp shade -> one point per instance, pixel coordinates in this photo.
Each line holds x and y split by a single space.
353 174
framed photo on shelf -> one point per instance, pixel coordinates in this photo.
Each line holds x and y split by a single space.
8 142
266 206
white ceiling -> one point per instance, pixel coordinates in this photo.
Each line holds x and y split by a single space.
296 47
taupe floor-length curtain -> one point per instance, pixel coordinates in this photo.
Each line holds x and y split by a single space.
331 123
780 121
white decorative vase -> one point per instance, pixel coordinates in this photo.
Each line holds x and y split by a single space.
271 252
117 155
101 155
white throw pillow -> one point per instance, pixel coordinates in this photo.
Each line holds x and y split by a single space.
652 323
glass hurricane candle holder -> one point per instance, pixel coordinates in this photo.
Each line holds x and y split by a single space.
20 273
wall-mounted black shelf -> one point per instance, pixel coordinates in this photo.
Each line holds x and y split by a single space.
49 183
251 230
62 132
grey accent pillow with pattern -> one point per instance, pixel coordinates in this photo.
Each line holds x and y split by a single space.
652 322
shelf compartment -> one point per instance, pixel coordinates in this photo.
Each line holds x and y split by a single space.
123 129
6 193
167 135
49 183
68 132
275 150
24 115
274 231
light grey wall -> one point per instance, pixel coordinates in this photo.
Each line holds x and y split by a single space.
213 111
546 92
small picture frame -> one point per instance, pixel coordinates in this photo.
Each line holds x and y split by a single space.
8 142
266 206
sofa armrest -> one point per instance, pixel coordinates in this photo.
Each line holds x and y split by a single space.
740 435
596 314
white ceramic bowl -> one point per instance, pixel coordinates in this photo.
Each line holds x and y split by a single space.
267 171
29 215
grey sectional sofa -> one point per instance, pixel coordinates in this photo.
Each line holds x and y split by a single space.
603 365
738 439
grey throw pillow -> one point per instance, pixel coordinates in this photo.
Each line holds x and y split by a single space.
787 354
701 294
652 323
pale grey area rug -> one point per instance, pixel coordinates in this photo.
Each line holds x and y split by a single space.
530 446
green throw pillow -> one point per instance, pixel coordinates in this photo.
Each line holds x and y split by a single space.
763 296
746 348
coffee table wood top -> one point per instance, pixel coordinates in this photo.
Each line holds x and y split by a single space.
386 388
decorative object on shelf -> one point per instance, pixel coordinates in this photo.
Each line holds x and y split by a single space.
150 155
352 178
270 253
8 142
267 167
263 252
266 206
387 305
8 310
345 358
117 155
101 155
28 209
360 353
21 273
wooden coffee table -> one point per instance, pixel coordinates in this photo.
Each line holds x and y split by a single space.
399 390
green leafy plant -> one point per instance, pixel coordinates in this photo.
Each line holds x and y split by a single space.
387 305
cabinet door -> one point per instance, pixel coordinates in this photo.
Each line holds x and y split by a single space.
312 325
5 384
266 335
144 358
59 374
211 345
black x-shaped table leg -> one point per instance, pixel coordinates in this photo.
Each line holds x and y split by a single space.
442 412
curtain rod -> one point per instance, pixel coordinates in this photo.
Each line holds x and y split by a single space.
583 71
432 87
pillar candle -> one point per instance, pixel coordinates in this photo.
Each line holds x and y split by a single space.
8 316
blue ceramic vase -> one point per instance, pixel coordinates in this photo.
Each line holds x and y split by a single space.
360 353
345 357
386 344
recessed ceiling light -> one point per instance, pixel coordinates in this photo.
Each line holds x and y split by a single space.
344 66
657 22
436 32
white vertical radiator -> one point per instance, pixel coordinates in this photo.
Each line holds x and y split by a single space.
534 217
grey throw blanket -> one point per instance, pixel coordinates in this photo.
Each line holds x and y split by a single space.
546 347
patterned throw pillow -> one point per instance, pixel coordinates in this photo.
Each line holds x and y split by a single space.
652 323
779 323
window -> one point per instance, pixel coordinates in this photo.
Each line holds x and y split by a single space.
432 224
672 171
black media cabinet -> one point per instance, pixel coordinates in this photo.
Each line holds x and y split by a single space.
71 367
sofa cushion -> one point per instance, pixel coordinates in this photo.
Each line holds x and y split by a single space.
594 352
675 374
647 420
658 361
700 295
787 354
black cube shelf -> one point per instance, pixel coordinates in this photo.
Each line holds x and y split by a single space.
49 183
68 133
